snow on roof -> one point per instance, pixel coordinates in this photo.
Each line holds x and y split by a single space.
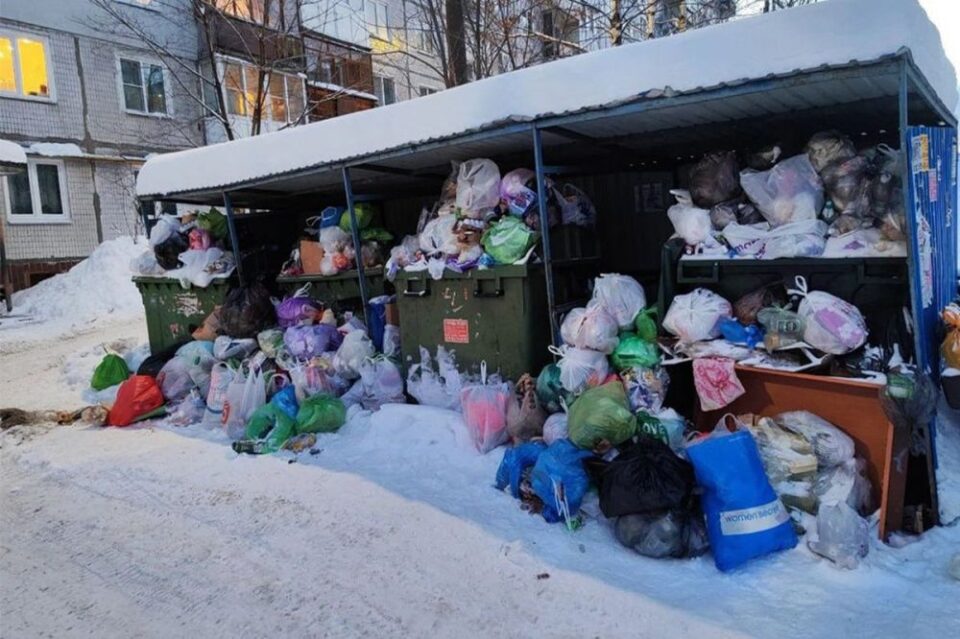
12 153
56 150
828 33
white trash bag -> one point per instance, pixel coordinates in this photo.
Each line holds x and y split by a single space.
831 445
806 238
478 185
696 316
555 428
225 348
690 222
590 328
789 192
440 387
380 383
245 393
619 295
220 378
438 236
843 535
356 348
830 324
580 369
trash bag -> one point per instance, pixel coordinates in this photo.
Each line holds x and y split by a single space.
271 425
305 342
846 483
365 212
210 328
746 308
310 380
909 399
691 223
517 192
440 387
438 236
830 324
286 400
724 214
155 363
199 360
516 460
225 348
831 445
555 427
200 268
174 380
744 335
745 517
591 328
321 414
355 349
601 417
270 342
246 311
508 240
297 309
789 192
525 416
666 426
619 295
806 238
380 383
696 316
168 251
575 207
560 481
166 226
660 534
782 327
246 393
550 390
847 184
485 410
950 347
220 378
646 387
646 476
111 371
829 146
843 536
580 369
645 324
716 383
213 222
478 185
714 179
199 240
634 352
138 398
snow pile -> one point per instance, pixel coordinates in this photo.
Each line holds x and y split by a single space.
56 150
98 290
12 153
78 369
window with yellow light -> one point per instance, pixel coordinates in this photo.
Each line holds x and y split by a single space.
23 66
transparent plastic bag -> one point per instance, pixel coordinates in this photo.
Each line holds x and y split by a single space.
580 369
829 146
696 316
575 207
245 394
356 348
646 388
380 383
789 192
438 236
619 295
714 179
590 328
830 324
806 238
508 240
830 444
525 416
310 380
691 223
847 483
515 192
555 427
478 185
440 387
485 410
225 348
174 380
782 327
843 535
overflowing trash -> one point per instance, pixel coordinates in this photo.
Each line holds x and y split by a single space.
193 248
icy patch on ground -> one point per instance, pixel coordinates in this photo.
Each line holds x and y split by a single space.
948 463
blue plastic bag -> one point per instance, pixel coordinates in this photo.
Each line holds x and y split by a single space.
377 319
515 461
735 332
286 400
560 480
745 518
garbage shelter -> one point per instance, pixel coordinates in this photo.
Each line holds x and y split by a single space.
627 139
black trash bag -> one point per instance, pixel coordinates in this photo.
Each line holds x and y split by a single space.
715 179
152 365
168 251
246 311
749 214
826 147
724 213
646 476
765 158
847 182
678 532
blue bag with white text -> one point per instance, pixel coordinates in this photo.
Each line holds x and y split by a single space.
745 517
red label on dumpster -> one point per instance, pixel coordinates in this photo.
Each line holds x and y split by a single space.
456 331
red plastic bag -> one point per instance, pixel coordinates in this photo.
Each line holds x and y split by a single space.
485 411
137 398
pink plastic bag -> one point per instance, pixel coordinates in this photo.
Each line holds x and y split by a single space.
485 411
716 382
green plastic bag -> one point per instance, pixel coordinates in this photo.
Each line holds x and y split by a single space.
646 324
634 351
111 371
214 222
601 414
365 212
376 233
272 425
321 414
508 240
550 391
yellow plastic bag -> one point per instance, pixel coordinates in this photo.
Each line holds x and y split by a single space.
951 343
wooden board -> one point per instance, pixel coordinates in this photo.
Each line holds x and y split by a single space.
851 405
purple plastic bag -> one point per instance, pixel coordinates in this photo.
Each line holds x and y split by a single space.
294 310
305 342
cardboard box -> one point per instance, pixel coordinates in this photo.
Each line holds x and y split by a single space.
311 253
393 314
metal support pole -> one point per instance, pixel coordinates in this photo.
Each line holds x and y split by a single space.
147 211
545 232
234 238
355 231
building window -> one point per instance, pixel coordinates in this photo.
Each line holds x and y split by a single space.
38 195
24 66
144 87
342 19
385 89
426 91
281 96
251 10
377 19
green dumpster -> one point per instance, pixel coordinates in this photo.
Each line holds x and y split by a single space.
335 289
174 312
497 314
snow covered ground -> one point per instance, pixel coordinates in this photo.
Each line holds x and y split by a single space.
392 529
